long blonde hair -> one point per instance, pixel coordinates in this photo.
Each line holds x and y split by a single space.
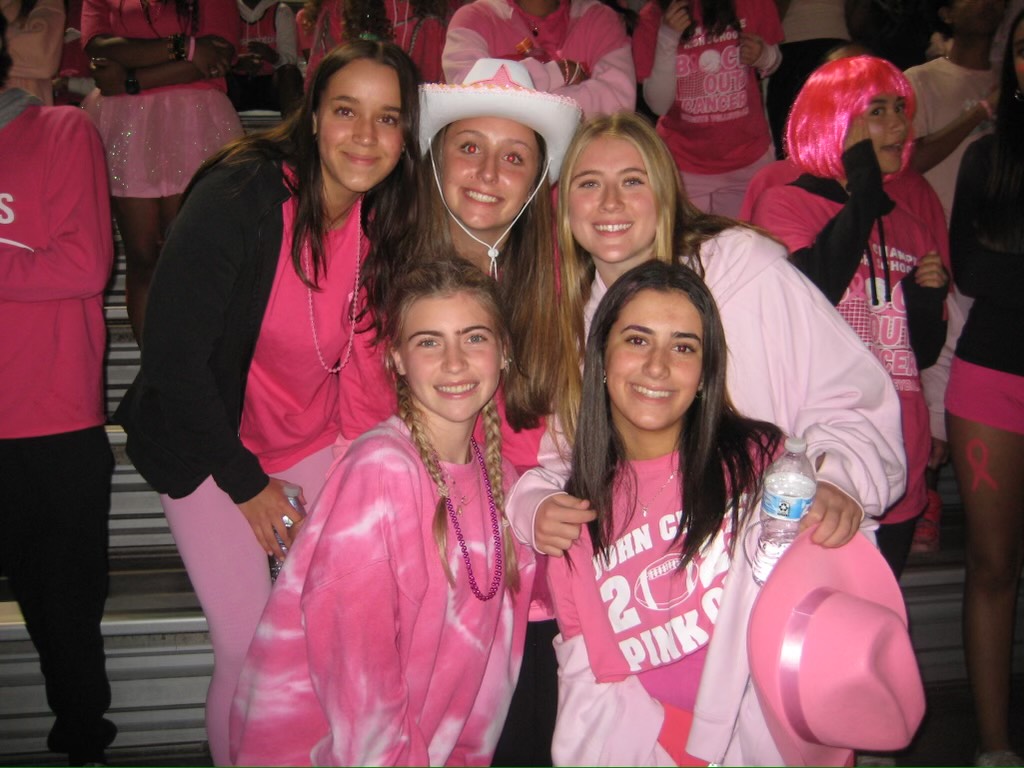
681 230
443 278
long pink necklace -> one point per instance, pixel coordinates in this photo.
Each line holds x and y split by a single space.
307 261
495 529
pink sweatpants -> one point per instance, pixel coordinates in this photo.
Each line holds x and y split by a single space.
231 577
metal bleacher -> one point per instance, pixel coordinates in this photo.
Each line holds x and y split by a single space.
158 651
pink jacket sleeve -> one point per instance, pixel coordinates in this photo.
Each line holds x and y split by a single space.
79 251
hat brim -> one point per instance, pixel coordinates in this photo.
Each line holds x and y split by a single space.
553 117
856 568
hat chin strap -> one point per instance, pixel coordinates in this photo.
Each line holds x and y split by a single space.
492 250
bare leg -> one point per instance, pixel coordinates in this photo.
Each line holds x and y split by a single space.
989 465
142 222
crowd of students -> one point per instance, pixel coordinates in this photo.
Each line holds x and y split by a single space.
523 357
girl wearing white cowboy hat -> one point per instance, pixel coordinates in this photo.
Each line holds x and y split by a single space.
492 147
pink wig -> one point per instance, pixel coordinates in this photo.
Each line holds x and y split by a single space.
832 96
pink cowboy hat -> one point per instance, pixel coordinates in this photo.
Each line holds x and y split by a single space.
830 655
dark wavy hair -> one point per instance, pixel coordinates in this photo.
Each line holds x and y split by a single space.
721 453
5 57
1000 226
716 16
389 209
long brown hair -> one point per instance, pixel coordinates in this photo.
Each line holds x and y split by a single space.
389 209
526 285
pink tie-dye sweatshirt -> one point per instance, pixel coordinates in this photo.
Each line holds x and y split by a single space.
365 654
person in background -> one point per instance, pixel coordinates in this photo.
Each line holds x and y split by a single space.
574 48
265 75
416 26
56 253
161 108
35 34
875 261
956 94
396 629
251 327
985 400
810 29
701 64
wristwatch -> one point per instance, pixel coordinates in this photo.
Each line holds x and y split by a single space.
131 83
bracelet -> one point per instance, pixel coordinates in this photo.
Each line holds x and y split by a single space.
191 49
131 83
983 103
176 47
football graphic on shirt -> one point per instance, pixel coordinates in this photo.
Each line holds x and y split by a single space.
661 585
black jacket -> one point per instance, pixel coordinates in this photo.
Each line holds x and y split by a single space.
206 304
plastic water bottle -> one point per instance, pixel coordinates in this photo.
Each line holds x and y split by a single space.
789 487
291 495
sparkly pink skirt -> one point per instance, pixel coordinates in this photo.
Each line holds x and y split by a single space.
156 141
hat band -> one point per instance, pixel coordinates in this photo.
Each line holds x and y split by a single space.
789 664
492 249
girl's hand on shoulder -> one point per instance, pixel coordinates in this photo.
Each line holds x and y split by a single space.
836 514
677 16
266 512
930 273
558 522
751 48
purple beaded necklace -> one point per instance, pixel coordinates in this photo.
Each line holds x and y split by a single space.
495 527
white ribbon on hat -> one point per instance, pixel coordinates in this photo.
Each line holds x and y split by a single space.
492 250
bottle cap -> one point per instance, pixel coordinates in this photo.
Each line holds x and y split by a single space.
294 491
796 444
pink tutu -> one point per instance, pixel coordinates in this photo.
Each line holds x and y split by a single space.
156 141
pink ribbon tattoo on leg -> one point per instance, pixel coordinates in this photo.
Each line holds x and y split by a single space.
977 457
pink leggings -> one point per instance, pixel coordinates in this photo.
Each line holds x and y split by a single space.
231 577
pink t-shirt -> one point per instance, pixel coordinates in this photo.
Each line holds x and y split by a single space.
291 401
127 18
366 654
638 613
717 122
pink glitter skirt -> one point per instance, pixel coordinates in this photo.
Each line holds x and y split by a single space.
156 141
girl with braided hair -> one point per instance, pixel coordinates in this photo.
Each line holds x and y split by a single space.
397 624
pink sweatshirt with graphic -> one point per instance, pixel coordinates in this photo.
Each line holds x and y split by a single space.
366 655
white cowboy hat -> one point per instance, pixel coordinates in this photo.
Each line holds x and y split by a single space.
501 88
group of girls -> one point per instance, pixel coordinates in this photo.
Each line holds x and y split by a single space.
384 238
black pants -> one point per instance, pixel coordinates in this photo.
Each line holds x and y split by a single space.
54 518
894 543
530 725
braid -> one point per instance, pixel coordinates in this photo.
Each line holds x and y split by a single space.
492 458
408 414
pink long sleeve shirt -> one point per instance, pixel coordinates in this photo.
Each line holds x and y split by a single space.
366 655
55 257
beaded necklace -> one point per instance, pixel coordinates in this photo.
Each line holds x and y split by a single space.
495 529
307 261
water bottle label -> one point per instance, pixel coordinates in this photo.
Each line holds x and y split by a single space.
783 507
